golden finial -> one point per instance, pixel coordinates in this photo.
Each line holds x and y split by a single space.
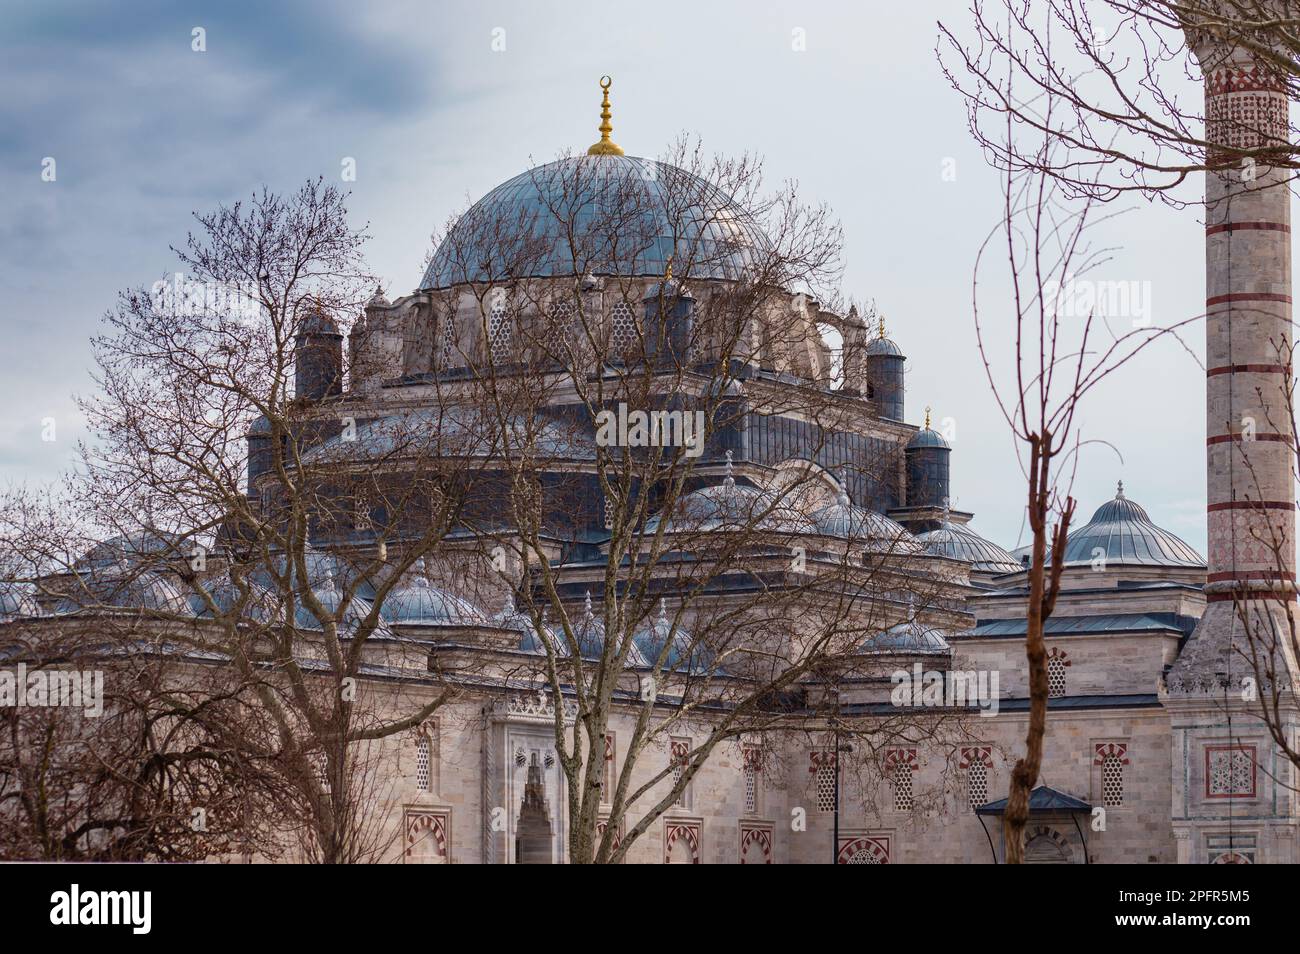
668 274
927 417
881 330
606 146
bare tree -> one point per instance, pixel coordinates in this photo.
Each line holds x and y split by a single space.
288 554
1110 83
1057 359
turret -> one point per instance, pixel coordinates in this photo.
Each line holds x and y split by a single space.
883 367
259 449
318 358
927 456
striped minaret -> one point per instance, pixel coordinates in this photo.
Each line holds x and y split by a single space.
1249 444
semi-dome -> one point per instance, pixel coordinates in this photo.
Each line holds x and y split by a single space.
1121 532
878 532
731 506
633 217
417 602
17 601
912 637
962 543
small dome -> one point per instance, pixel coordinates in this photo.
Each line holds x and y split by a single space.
658 211
927 437
531 640
911 637
260 606
732 506
880 533
882 347
17 601
123 586
587 628
149 546
331 598
260 427
1121 532
417 602
963 543
682 655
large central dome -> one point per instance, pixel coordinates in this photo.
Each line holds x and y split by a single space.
599 214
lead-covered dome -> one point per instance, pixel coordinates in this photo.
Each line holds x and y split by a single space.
1121 532
630 217
962 543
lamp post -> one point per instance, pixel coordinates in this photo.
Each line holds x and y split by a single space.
835 836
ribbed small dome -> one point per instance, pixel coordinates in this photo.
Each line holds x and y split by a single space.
732 506
962 543
587 628
1121 532
927 437
882 347
878 532
331 598
682 655
260 606
417 602
532 639
910 637
123 586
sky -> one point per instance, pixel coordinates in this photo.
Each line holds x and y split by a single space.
438 103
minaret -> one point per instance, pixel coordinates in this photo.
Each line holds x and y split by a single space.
1250 511
1231 797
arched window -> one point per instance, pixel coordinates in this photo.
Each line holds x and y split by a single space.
448 350
622 328
500 331
752 766
1057 663
1112 781
680 752
822 765
1110 759
422 762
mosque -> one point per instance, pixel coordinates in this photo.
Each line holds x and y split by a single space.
1147 756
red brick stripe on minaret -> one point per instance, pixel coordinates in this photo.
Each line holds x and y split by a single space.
1224 438
1247 226
1252 505
1248 575
1247 296
1246 369
1250 595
